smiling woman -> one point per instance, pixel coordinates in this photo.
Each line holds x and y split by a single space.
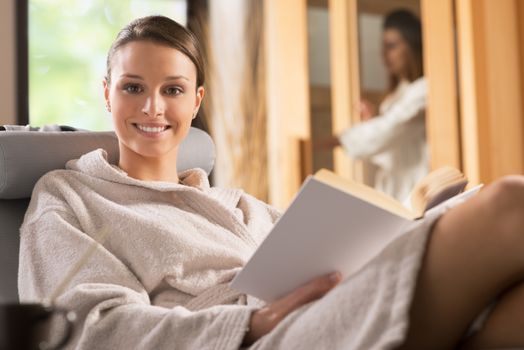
153 94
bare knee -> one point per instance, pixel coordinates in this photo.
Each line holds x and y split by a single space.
503 205
507 192
504 200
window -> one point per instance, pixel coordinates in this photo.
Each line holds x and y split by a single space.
68 44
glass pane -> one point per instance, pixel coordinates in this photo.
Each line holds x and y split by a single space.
68 44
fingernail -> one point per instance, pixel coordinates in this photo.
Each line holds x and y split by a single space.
335 276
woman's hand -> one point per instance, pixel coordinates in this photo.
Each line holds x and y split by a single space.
367 110
326 144
265 319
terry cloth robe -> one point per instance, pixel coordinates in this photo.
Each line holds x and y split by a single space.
160 279
394 141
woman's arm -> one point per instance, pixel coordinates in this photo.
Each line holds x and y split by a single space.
374 136
113 307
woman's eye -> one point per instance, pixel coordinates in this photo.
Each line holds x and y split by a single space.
390 46
133 88
173 90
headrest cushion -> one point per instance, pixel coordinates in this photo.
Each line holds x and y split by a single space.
27 155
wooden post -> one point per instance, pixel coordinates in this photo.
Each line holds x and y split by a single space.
285 26
442 112
345 80
490 88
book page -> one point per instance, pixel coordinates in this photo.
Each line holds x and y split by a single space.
437 186
366 193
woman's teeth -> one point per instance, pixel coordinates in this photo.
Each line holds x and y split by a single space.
151 129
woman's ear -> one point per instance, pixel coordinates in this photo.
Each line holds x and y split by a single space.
106 94
198 102
199 97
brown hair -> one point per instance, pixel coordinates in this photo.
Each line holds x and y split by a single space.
164 31
411 30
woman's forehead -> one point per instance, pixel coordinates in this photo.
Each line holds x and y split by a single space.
392 34
145 57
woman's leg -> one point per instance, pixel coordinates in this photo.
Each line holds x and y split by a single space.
504 326
476 251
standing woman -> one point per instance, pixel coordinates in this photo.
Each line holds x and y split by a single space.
393 137
161 278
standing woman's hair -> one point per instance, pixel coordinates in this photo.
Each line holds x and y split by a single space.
411 30
164 31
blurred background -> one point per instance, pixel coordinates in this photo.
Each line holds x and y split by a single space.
283 74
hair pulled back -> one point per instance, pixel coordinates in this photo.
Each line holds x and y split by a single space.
164 31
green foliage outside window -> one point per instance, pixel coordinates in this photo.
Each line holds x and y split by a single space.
68 44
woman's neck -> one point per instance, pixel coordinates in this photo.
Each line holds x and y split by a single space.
149 168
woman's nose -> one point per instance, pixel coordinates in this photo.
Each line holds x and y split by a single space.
153 106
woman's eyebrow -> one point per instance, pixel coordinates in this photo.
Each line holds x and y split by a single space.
177 77
171 77
128 75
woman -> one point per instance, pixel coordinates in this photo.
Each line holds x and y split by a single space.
160 279
393 139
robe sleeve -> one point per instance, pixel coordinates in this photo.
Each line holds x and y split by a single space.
113 308
372 137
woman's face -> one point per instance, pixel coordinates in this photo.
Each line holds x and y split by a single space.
396 51
153 98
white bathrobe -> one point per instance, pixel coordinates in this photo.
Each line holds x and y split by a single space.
394 141
160 279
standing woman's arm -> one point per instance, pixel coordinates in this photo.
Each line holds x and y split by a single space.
374 136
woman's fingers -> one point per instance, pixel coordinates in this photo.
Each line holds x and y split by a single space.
367 110
310 291
265 319
326 144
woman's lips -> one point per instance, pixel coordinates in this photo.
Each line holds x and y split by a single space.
152 129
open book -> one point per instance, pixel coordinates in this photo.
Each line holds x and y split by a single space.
335 224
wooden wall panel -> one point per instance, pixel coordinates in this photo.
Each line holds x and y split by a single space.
287 86
490 88
442 115
345 81
520 23
8 67
504 88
